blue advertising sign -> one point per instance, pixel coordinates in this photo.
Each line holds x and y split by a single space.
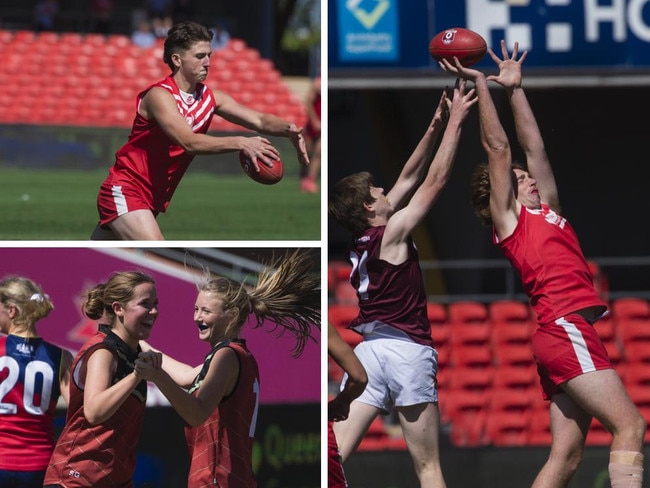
557 33
368 30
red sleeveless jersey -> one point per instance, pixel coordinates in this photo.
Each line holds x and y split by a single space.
545 251
150 164
102 455
221 448
30 378
392 294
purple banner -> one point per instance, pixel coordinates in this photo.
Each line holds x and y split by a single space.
66 273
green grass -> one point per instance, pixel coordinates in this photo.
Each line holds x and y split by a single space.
61 205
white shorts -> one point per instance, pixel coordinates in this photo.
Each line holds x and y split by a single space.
400 371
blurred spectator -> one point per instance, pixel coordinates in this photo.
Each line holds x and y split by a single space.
184 10
45 12
101 12
143 36
601 282
310 174
160 16
221 36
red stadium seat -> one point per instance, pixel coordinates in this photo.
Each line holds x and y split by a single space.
509 311
633 330
504 332
631 308
471 379
475 334
471 356
637 374
512 400
467 312
634 352
515 377
598 435
465 412
504 429
513 355
539 433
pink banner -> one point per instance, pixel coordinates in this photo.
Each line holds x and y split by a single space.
66 273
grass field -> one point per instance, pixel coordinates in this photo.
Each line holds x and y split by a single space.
60 204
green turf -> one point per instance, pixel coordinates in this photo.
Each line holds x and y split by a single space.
61 205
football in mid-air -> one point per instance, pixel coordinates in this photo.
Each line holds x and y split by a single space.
266 175
468 46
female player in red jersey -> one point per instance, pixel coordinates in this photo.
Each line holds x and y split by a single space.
169 130
107 400
522 206
33 375
338 408
220 409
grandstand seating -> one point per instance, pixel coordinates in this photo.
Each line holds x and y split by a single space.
480 379
93 79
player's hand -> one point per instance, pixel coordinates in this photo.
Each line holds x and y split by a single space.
298 140
460 70
509 67
258 149
338 409
441 114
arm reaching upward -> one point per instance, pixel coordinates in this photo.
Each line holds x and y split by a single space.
528 133
402 223
415 167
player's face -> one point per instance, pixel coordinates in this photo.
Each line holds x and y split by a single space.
210 317
382 205
527 192
138 315
196 61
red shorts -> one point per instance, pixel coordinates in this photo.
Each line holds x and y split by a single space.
335 475
114 201
567 348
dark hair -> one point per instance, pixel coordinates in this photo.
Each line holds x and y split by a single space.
347 199
480 190
183 36
286 293
119 288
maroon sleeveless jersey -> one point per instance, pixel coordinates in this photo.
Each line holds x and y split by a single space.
221 448
391 293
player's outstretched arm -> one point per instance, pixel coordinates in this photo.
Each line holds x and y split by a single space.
402 223
181 373
528 133
417 164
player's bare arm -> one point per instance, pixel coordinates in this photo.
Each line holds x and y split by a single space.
219 381
528 133
402 223
102 398
264 123
340 351
417 164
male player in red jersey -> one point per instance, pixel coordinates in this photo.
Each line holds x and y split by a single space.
33 375
338 408
397 351
169 129
523 208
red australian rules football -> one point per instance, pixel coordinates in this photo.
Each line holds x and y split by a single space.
266 175
468 46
